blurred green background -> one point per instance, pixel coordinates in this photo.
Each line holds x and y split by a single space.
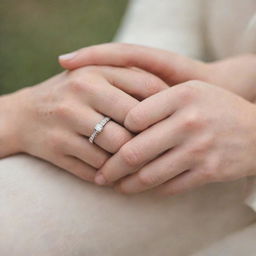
33 33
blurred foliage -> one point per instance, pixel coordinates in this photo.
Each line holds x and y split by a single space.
33 33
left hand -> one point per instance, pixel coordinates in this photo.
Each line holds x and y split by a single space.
193 133
54 119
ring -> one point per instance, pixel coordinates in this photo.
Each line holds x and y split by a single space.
98 128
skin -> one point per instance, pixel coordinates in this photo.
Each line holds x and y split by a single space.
54 119
185 138
187 143
236 74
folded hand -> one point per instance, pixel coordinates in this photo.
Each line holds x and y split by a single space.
189 135
54 119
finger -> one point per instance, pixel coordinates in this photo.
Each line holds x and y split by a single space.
157 172
141 149
107 89
108 100
136 83
79 147
184 182
76 167
156 108
83 122
171 67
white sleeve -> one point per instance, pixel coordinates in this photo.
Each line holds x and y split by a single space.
175 25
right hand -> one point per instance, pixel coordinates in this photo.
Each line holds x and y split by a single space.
236 74
54 119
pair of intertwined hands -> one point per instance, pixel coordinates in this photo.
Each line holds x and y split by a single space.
176 123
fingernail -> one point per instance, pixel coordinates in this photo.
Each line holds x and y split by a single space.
68 56
100 180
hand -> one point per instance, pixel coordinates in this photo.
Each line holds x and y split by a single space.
193 133
236 74
53 120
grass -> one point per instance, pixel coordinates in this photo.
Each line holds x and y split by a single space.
33 33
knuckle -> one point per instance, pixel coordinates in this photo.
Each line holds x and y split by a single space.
120 138
202 147
63 110
193 120
135 120
185 93
189 90
130 156
152 85
76 85
79 84
100 161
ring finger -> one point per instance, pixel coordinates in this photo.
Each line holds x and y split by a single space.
112 137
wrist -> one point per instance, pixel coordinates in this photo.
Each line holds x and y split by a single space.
236 74
10 116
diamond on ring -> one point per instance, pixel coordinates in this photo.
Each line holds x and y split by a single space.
98 128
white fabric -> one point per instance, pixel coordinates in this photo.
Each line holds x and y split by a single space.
171 25
231 27
46 211
237 244
200 29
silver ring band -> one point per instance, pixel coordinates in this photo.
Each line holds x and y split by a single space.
98 128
